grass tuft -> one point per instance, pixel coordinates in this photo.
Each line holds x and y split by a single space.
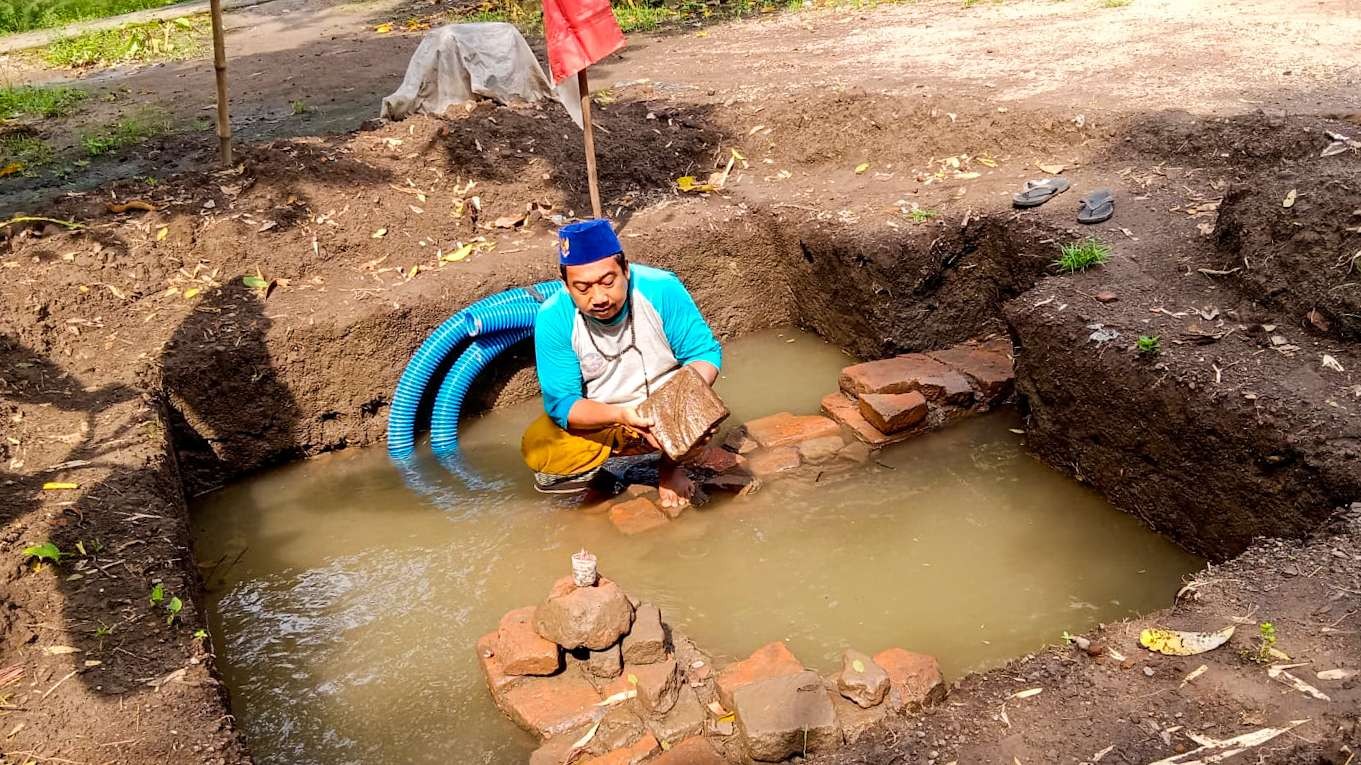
1081 256
129 130
54 101
1148 345
131 43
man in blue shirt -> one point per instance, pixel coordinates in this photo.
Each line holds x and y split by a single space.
602 345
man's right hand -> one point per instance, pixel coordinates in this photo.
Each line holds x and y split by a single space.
628 415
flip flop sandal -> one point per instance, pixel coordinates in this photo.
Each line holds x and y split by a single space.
1038 192
1096 207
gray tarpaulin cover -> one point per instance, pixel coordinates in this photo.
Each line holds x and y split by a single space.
459 62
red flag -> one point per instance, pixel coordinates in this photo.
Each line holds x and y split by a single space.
579 33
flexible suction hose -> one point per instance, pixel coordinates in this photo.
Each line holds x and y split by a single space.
449 401
512 310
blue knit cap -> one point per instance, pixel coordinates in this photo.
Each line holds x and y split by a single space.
587 242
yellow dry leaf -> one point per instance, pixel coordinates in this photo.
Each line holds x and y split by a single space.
987 162
1027 693
380 233
688 183
633 679
737 155
162 233
1289 200
11 169
192 291
1177 643
83 288
861 168
460 253
60 486
383 28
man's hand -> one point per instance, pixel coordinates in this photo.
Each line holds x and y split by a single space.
628 415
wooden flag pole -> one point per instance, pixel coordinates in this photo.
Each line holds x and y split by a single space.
589 133
224 125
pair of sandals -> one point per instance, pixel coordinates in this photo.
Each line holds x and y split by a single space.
1096 207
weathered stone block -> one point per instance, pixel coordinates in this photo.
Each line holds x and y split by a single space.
846 411
783 716
785 429
853 720
915 677
904 374
691 751
632 754
606 664
816 451
521 650
658 685
893 412
861 680
548 706
646 641
767 463
684 410
637 516
590 617
770 660
686 718
988 366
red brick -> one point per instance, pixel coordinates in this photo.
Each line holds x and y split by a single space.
784 429
770 660
893 412
548 706
630 755
521 650
497 679
820 449
903 374
845 410
916 678
764 463
717 460
987 366
637 515
691 751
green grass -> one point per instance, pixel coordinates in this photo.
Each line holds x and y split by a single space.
1081 256
130 130
29 151
921 215
27 15
56 101
131 43
1114 3
1148 345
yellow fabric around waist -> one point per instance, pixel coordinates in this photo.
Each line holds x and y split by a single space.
549 449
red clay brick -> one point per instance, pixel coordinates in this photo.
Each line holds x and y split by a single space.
770 660
903 374
547 706
521 650
784 429
630 755
637 515
916 678
846 411
691 751
497 679
893 412
987 366
764 463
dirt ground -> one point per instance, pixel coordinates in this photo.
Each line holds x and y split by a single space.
138 366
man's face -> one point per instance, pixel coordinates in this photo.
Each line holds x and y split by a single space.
599 289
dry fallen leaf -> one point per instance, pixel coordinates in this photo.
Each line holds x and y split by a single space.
380 233
162 233
60 486
1289 200
1027 693
58 650
1331 363
861 168
1336 674
1053 169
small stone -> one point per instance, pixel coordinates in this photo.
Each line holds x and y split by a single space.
1148 672
861 680
893 412
607 663
783 716
521 650
915 677
637 516
1106 296
658 685
770 660
821 449
767 463
646 641
785 429
591 617
690 751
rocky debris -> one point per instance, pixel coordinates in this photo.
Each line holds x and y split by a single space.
1106 296
658 685
987 365
637 516
893 412
646 642
816 451
686 718
861 680
590 617
691 751
684 411
768 661
785 429
768 463
607 663
907 373
915 678
783 716
632 754
522 651
548 706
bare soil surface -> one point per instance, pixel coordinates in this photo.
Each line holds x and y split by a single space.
138 366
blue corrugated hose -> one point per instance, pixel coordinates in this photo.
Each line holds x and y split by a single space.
512 310
449 401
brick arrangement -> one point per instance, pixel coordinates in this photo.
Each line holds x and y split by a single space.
651 696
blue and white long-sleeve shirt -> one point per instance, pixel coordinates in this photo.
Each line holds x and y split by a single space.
581 357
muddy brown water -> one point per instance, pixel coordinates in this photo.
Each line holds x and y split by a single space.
347 599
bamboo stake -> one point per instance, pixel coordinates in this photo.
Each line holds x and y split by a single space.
224 125
589 133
